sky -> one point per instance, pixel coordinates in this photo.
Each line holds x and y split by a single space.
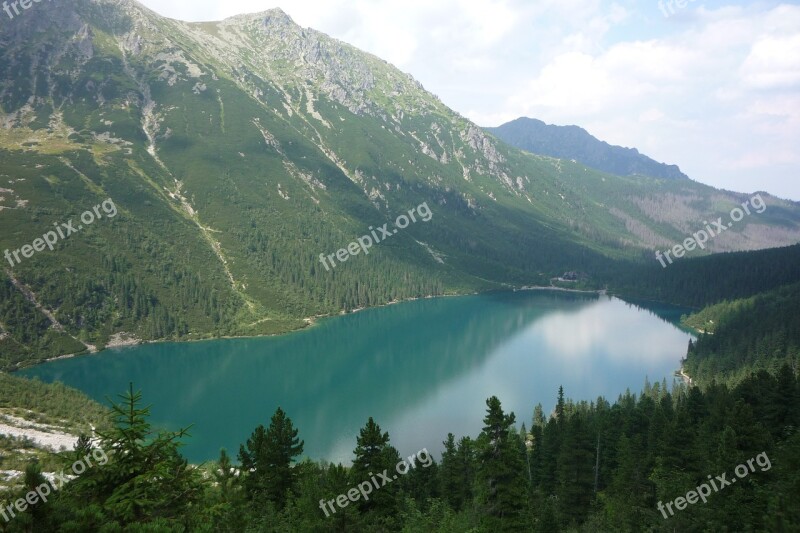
713 87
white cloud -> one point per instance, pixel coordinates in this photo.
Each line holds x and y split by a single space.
773 63
651 115
719 97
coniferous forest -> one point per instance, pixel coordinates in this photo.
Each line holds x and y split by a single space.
588 466
621 464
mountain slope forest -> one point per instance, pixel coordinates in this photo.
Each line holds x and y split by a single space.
732 344
236 152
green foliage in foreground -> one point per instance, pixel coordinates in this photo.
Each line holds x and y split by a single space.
651 448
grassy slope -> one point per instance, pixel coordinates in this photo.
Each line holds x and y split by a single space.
51 404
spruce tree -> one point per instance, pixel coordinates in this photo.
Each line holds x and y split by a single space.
575 470
451 475
502 472
374 459
267 459
457 472
467 464
144 478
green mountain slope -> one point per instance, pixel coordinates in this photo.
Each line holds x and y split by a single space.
237 152
703 281
733 345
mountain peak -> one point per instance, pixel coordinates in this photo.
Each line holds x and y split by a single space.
274 16
574 142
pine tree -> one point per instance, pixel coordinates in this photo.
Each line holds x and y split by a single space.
225 504
225 477
268 457
83 447
449 475
457 472
547 523
374 458
539 420
502 471
36 515
575 470
144 478
422 483
466 460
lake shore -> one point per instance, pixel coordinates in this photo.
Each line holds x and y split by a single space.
126 340
119 340
477 345
601 292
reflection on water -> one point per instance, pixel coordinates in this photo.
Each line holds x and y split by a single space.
422 369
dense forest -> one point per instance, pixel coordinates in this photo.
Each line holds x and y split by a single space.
586 467
184 308
703 281
733 343
630 465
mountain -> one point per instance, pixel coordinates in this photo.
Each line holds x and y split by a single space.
575 143
236 153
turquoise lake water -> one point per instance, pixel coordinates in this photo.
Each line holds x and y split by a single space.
421 369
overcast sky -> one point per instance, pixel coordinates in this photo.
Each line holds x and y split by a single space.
713 87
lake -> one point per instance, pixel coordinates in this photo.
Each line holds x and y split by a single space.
421 369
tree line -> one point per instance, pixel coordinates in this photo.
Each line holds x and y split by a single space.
588 466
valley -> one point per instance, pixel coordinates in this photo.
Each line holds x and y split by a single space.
203 226
328 141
